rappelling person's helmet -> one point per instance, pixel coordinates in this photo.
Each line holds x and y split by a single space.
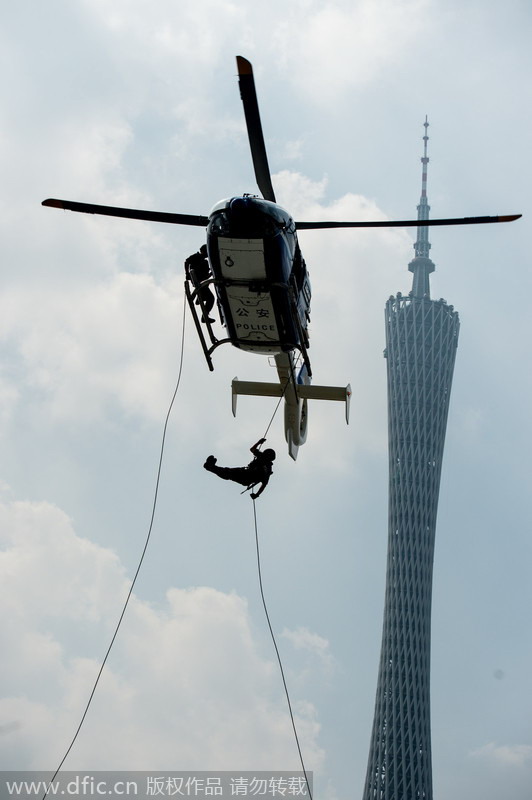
269 453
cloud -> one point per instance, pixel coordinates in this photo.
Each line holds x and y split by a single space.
92 347
518 755
9 395
186 684
342 45
304 639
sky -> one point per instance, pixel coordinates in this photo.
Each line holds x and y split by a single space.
136 103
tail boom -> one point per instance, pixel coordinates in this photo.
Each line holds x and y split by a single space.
296 396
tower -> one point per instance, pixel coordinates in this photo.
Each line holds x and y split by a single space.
421 341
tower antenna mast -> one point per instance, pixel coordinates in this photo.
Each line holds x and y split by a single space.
422 265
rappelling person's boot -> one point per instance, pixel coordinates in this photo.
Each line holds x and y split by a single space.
209 464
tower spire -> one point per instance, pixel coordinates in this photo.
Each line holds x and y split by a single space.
422 265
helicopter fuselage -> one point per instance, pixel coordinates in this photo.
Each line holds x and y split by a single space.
259 275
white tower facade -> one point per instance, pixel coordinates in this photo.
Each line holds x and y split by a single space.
421 342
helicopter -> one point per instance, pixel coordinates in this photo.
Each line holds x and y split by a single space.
253 262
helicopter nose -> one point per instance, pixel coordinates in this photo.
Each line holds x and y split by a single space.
239 206
245 216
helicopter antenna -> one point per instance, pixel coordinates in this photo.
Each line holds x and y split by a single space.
422 265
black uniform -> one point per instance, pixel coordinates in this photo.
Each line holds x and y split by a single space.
199 264
257 471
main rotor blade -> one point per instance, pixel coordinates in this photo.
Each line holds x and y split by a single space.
248 94
407 223
129 213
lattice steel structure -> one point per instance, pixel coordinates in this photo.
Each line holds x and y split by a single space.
421 341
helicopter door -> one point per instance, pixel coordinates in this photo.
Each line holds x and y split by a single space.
242 259
243 268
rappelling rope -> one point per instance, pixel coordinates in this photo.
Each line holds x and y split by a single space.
287 382
276 409
277 652
121 617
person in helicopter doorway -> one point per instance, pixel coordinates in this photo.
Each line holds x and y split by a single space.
199 264
257 471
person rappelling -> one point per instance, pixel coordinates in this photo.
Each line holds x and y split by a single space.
257 471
